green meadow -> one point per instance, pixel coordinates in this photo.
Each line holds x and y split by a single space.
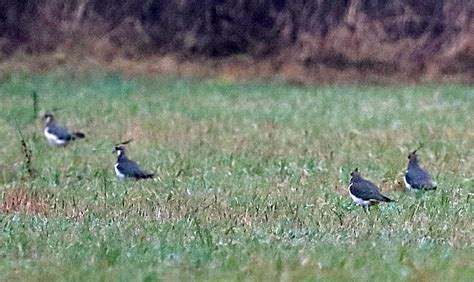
251 180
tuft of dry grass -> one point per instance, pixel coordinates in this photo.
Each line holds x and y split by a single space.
20 200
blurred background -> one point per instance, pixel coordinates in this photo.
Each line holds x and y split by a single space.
299 41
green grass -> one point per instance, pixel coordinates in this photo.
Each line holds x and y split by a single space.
252 181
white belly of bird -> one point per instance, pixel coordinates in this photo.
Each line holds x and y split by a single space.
360 201
406 183
53 139
117 172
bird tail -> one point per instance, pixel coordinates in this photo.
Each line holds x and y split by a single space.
145 176
386 199
78 135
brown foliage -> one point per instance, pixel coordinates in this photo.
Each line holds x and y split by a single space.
305 40
20 201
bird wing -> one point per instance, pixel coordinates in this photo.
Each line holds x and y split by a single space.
131 168
418 178
60 132
366 190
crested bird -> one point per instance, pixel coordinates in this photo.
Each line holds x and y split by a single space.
364 192
124 167
57 135
417 178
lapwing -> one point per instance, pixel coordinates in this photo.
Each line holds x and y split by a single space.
124 167
417 178
58 135
364 192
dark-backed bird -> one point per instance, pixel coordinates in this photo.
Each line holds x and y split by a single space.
58 135
124 167
364 192
417 178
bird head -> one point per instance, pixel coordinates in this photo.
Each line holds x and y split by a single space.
119 149
48 117
355 173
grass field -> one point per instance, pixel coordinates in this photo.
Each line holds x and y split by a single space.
252 181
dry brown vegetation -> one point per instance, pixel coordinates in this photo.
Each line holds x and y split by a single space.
20 200
298 40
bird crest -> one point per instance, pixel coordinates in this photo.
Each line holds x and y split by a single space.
120 147
412 155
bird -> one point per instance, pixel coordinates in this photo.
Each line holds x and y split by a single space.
363 192
57 135
417 178
124 167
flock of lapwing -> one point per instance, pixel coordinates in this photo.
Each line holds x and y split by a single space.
365 193
61 136
362 191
